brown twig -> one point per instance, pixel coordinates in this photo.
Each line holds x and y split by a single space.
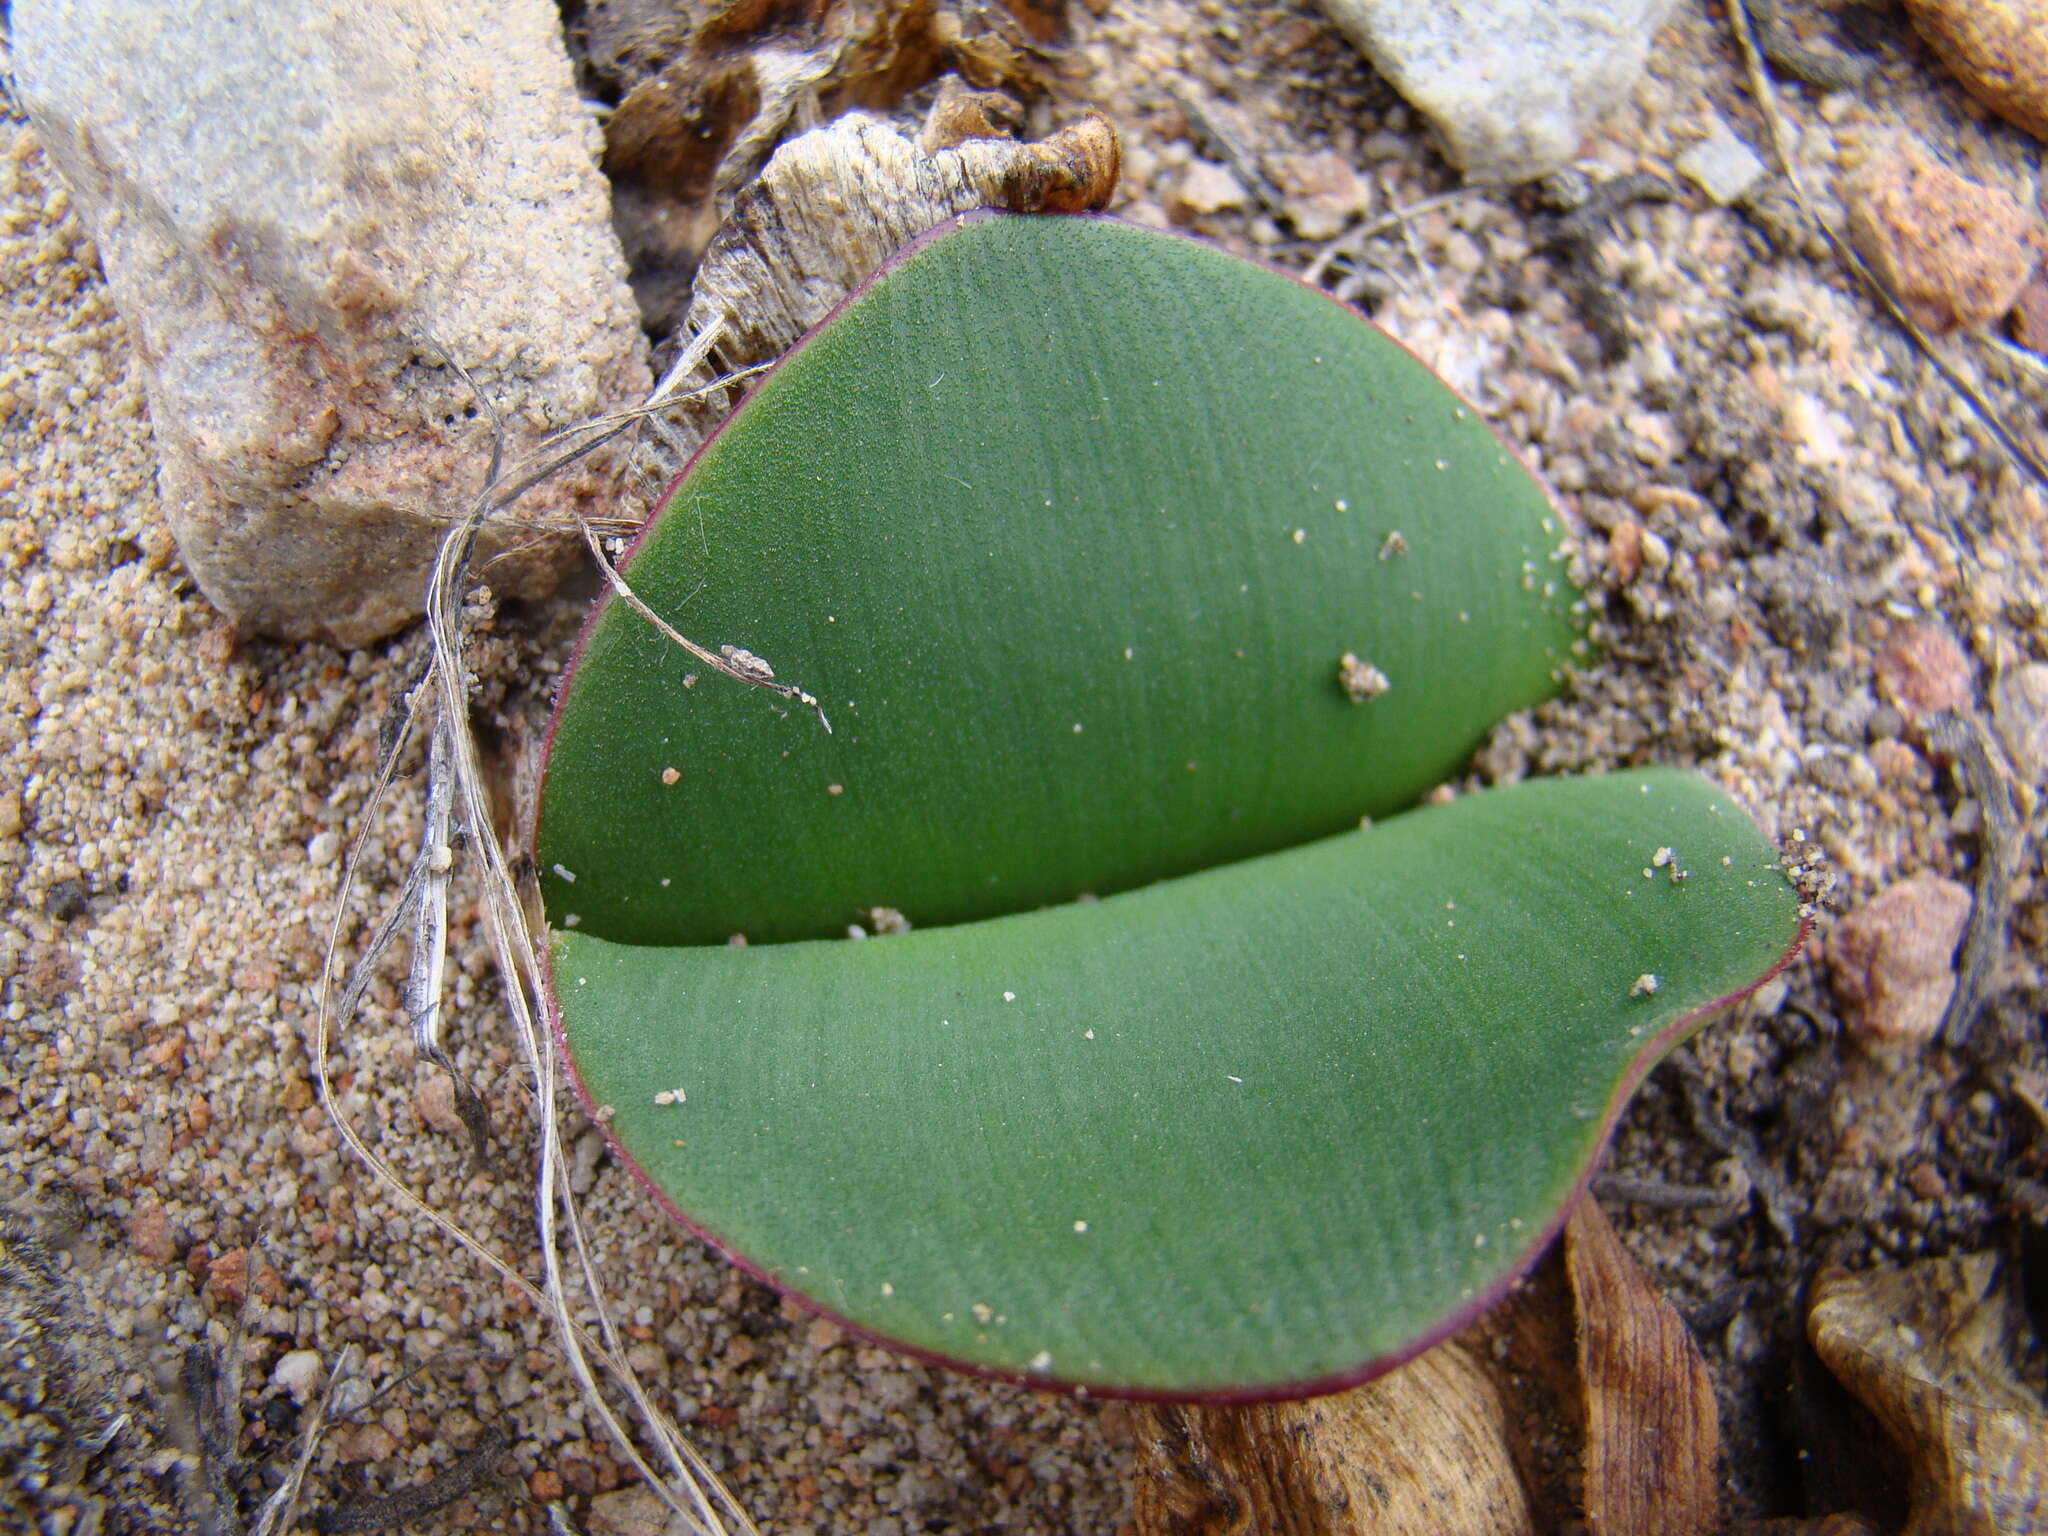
2003 846
1657 1195
1733 1141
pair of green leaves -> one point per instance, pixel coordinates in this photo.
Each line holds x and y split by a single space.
1130 571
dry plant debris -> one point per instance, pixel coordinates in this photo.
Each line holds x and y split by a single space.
1422 1451
1652 1460
705 91
1933 1350
1451 1444
830 207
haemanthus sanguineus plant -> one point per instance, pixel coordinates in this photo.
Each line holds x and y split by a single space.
1132 577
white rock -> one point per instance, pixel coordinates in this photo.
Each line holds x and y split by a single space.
299 1373
298 203
1512 85
1205 188
1721 165
634 1511
2019 705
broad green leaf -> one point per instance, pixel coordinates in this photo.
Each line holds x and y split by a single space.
1244 1131
1068 524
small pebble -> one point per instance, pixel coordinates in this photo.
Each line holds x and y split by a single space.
1926 1181
149 1232
887 920
633 1511
1204 188
1361 680
546 1484
1625 550
298 1372
1721 165
1924 670
433 1100
1320 192
2030 315
227 1277
1890 961
1954 252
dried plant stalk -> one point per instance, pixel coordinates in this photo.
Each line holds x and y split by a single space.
1931 1350
1422 1451
459 818
1652 1430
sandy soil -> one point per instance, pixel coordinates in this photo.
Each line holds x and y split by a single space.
174 802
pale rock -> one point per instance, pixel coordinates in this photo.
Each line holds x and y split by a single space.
1818 435
1511 85
434 1101
1721 165
1204 188
634 1511
360 1444
2019 706
299 204
1321 193
300 1373
1891 961
2030 314
149 1232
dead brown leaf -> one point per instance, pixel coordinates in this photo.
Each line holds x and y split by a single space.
1583 1388
706 91
1422 1451
1930 1350
1652 1430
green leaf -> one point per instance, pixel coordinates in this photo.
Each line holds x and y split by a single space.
1312 1108
1069 525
